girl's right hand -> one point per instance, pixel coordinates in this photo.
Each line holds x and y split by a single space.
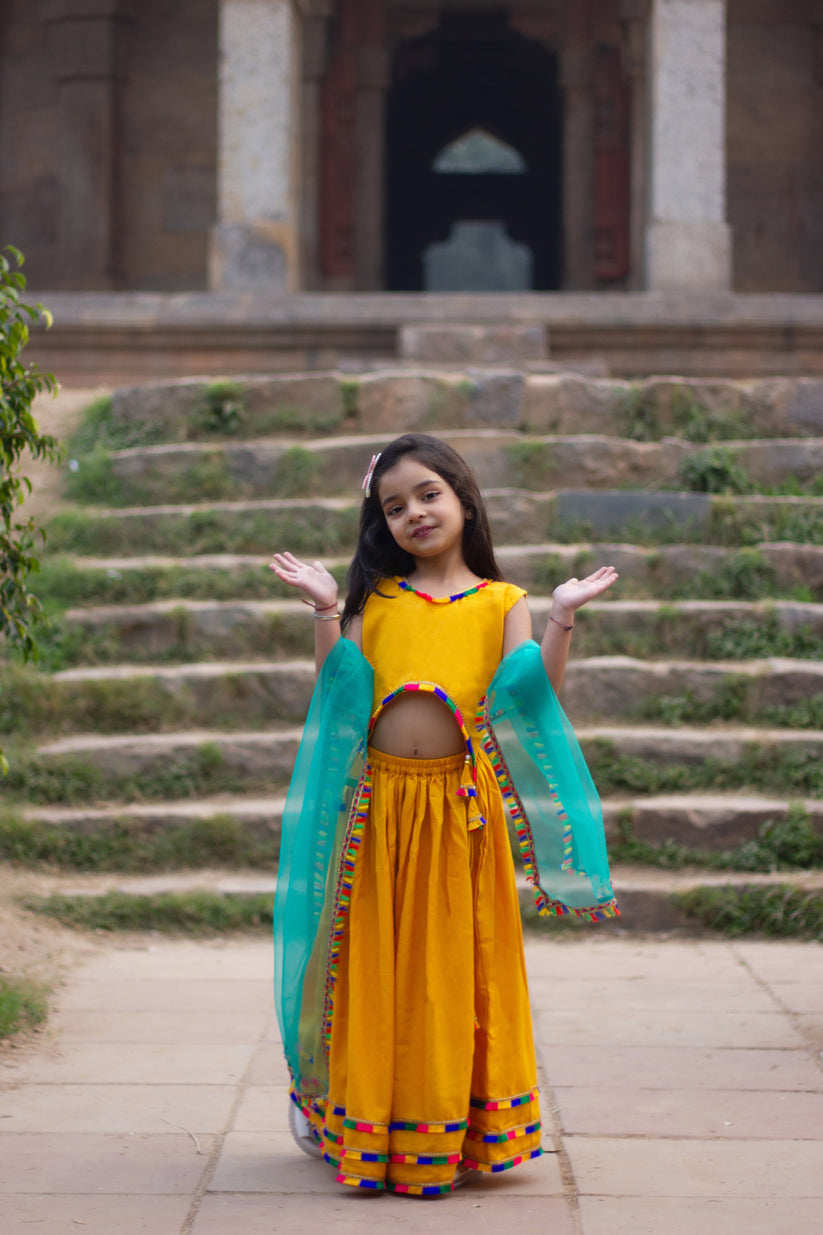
314 579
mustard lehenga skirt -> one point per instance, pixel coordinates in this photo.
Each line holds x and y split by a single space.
431 1062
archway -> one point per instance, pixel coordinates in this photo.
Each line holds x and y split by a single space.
471 81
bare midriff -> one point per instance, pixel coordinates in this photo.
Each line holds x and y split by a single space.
417 726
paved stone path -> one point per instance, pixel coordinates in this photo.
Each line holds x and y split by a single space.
682 1091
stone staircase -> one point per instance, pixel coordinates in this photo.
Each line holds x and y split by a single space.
179 670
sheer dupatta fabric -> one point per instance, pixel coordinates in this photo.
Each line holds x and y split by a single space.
548 789
316 823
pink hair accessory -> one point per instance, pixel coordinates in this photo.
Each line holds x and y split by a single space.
366 485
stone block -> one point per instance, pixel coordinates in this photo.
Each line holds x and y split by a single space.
447 343
249 257
166 408
689 256
496 399
566 403
411 402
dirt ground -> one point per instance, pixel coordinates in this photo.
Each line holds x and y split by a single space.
58 416
34 947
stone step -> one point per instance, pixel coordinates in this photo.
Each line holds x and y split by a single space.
122 698
646 897
191 630
426 397
709 823
328 526
625 761
331 466
689 692
674 571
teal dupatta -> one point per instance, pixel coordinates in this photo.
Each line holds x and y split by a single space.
540 770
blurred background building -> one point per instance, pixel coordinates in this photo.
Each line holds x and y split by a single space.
408 145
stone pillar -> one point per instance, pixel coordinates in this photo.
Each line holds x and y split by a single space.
576 83
369 202
688 242
84 50
254 244
633 15
315 58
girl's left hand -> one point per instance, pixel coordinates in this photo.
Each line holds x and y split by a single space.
574 593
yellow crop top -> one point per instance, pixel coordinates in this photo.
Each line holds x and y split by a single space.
455 642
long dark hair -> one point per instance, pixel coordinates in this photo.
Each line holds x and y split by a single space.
378 555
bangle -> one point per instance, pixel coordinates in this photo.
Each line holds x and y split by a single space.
304 600
326 617
562 625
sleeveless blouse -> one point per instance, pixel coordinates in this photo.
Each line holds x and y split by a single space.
454 643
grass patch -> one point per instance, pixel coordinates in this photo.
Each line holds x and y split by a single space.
637 417
62 584
781 844
729 701
744 575
133 846
750 639
715 470
530 464
99 431
23 1005
251 531
72 781
222 410
197 913
350 397
777 912
32 703
788 771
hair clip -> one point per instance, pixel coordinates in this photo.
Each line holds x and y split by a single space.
366 485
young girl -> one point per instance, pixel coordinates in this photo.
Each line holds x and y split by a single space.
400 979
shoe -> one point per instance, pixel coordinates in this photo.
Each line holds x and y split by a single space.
300 1129
465 1175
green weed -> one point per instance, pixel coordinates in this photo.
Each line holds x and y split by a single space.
350 397
99 431
197 913
728 701
781 844
637 417
530 464
75 781
222 410
777 912
308 530
131 845
23 1005
790 771
714 470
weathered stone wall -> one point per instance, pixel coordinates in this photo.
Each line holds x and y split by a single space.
165 136
168 144
29 127
775 146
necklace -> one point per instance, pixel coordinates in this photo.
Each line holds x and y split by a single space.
443 600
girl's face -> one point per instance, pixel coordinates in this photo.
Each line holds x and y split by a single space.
423 512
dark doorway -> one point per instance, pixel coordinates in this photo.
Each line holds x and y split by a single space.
471 81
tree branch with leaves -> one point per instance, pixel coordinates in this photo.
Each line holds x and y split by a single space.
20 437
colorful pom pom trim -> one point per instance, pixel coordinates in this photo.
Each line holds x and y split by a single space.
358 815
442 600
546 906
469 787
